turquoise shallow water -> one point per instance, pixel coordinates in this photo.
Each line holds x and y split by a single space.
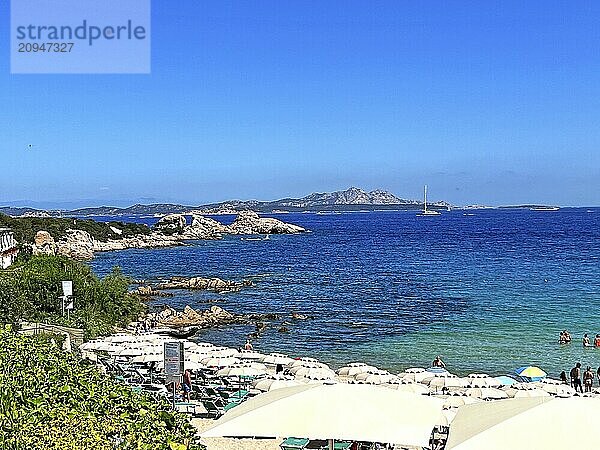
488 291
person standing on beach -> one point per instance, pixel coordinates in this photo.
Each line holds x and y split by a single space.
576 377
187 384
437 362
588 379
248 345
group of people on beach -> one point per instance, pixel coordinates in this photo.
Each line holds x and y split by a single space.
576 375
580 380
565 338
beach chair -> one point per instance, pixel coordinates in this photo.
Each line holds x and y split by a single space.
212 411
293 443
319 444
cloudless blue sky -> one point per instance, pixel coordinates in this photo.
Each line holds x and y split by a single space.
486 102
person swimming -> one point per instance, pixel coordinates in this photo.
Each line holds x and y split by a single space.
565 337
586 340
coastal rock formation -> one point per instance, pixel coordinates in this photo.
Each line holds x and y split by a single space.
152 240
76 244
171 223
44 244
199 283
249 222
204 228
169 231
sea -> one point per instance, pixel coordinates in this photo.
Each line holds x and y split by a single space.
489 290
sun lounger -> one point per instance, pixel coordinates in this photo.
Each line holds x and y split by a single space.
212 411
195 409
293 443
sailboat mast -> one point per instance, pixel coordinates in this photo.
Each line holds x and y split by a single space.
425 199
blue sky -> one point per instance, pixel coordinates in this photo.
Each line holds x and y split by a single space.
485 103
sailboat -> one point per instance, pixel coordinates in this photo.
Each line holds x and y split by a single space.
427 212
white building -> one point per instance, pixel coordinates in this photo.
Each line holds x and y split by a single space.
8 248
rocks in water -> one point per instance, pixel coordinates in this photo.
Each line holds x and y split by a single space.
249 222
210 284
214 316
204 228
283 329
149 291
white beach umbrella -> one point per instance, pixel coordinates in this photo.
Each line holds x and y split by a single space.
313 373
219 361
551 381
132 351
90 345
204 345
118 338
448 416
541 423
520 393
486 393
239 371
253 364
148 357
223 352
376 378
193 365
520 386
277 358
456 401
415 370
251 355
483 382
103 346
438 383
339 411
478 375
411 388
197 356
306 362
269 384
559 390
354 369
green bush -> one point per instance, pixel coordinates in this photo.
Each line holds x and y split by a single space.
52 400
31 289
25 228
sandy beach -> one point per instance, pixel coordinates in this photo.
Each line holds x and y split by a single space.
234 444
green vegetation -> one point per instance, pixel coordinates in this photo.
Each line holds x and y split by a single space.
31 288
25 228
52 400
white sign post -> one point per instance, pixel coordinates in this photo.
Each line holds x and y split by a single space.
67 297
173 364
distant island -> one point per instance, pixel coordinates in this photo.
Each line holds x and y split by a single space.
352 199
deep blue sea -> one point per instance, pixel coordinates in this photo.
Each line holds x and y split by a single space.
488 290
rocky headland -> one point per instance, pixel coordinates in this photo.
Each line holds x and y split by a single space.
170 230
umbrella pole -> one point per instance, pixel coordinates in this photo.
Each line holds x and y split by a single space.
331 444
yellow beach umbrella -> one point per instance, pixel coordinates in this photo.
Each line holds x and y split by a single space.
531 372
